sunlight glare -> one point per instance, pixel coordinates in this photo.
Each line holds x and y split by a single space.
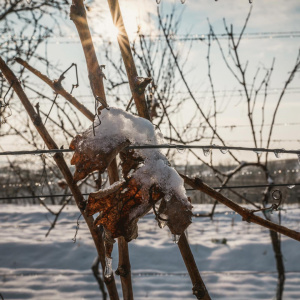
135 15
114 31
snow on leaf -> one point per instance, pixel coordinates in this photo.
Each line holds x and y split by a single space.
123 204
88 159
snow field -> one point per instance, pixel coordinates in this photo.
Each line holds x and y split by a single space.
235 258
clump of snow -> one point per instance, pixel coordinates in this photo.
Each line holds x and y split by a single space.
156 171
115 126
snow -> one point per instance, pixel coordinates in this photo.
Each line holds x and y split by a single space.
35 267
108 267
115 126
108 190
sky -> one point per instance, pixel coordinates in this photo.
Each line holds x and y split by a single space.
279 29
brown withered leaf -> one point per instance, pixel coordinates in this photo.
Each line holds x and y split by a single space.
88 159
129 161
121 206
179 214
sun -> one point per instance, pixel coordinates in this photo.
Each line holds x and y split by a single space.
135 16
114 31
131 22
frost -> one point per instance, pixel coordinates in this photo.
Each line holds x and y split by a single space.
176 238
108 267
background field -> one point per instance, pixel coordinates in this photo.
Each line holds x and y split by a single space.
234 257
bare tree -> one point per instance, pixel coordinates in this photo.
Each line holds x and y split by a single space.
160 107
250 92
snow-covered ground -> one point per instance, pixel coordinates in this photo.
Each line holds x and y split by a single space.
35 267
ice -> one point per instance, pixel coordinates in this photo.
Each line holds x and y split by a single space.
162 220
291 186
277 154
176 238
108 267
258 152
180 149
270 180
206 151
224 150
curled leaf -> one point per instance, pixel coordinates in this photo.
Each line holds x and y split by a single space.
178 214
147 174
89 158
129 161
121 206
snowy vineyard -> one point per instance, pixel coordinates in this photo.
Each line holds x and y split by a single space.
234 257
136 216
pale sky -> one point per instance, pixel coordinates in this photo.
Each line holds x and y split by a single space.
269 18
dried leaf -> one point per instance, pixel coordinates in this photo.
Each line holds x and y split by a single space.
88 158
129 161
178 214
148 176
121 206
